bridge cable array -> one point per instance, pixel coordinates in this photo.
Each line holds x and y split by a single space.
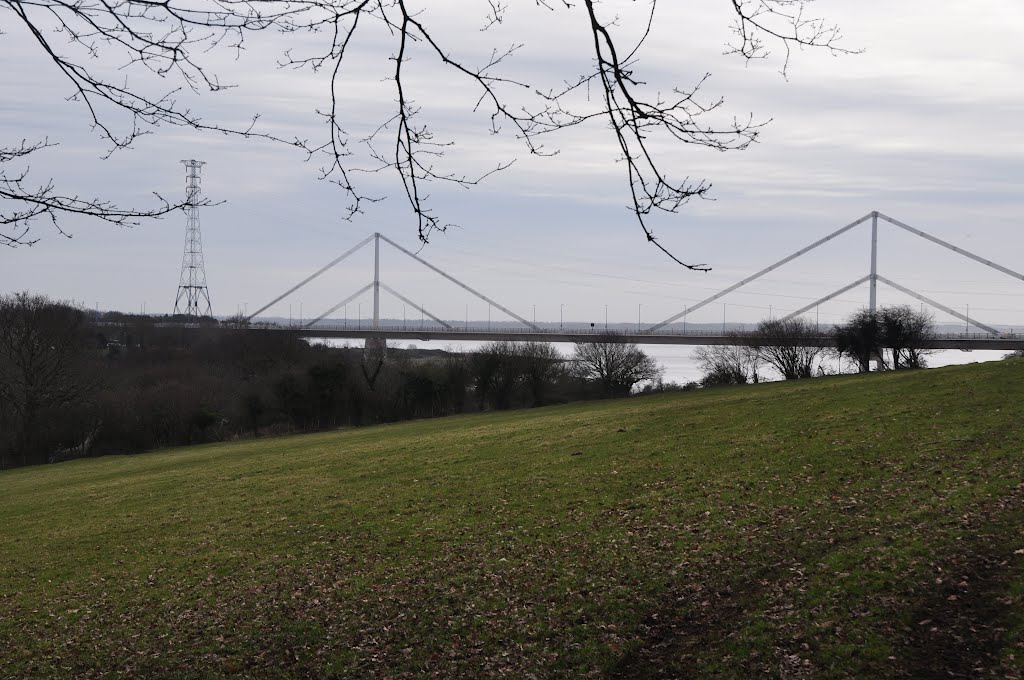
873 278
376 284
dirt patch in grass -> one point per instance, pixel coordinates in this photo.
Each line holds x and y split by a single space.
712 623
950 614
960 629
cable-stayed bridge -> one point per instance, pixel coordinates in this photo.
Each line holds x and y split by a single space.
666 332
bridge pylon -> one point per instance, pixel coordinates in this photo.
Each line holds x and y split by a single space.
376 285
872 278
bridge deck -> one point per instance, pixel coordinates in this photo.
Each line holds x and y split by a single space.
963 341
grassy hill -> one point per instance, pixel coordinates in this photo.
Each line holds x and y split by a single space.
850 527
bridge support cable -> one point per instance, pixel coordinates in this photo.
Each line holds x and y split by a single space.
415 305
460 283
344 302
309 278
759 274
959 251
938 305
827 297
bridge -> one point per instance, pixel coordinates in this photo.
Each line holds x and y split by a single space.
665 332
961 341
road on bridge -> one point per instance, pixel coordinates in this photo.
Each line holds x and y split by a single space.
963 341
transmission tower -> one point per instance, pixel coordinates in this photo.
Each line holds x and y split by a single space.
193 296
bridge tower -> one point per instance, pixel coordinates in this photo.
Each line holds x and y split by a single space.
193 298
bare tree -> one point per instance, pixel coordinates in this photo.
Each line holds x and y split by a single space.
375 352
894 336
734 364
905 332
41 365
614 363
542 365
498 369
506 371
112 53
860 339
791 346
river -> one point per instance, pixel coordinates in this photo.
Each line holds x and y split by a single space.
680 367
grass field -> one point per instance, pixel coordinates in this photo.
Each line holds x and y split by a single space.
850 527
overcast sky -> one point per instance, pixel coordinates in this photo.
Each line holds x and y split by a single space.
923 126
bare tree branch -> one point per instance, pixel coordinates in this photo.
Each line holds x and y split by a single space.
152 42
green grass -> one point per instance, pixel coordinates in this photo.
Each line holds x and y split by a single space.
851 527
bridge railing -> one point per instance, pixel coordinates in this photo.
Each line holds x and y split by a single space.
594 331
505 330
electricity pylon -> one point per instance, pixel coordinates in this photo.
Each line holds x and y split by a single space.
192 290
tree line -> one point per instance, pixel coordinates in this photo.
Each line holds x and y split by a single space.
74 383
893 338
